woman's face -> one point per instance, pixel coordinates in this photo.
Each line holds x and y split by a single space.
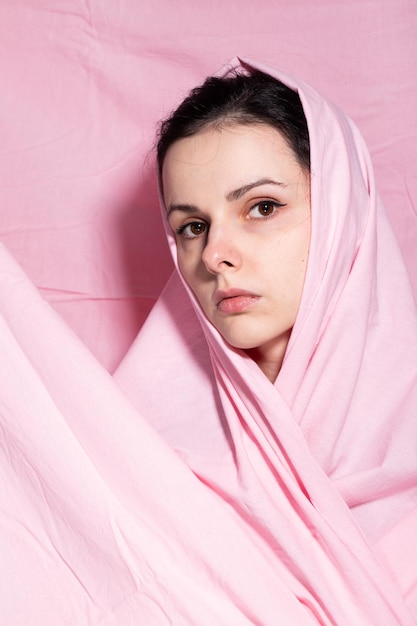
239 204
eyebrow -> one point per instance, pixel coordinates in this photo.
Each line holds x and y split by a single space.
231 196
236 194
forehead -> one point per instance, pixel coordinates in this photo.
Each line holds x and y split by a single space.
228 155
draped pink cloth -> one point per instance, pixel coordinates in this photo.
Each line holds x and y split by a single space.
323 464
187 489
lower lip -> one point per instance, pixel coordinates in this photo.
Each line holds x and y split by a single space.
237 304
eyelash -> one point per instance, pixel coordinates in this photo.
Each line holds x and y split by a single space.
181 230
275 205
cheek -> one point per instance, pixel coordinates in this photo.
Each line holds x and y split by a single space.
288 262
189 256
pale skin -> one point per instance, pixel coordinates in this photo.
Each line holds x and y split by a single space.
238 202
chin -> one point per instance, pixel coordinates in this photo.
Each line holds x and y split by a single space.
243 342
255 343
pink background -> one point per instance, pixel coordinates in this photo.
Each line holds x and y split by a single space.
83 84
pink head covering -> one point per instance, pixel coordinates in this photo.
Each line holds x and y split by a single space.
323 463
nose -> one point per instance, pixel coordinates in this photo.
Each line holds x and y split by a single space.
221 251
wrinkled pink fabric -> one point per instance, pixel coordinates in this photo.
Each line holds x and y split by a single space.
187 489
322 465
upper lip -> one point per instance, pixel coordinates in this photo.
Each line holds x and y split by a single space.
233 292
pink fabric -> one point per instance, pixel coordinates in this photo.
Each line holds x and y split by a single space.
100 521
323 464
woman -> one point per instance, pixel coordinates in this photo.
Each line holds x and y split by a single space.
237 194
287 345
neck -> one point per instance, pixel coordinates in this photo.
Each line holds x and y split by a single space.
269 357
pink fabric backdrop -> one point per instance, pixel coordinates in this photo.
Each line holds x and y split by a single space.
83 85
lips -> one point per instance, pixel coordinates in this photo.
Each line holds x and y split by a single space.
234 300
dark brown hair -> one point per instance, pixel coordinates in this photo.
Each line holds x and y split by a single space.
256 98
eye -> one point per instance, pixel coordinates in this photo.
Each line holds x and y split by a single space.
192 230
266 208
